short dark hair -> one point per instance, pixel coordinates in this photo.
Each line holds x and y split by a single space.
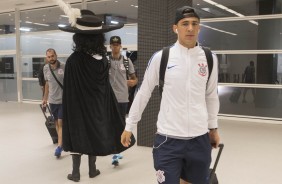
51 50
184 12
90 43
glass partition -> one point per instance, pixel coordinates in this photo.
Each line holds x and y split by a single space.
7 23
8 78
7 42
34 46
31 90
259 102
250 68
242 35
227 8
8 75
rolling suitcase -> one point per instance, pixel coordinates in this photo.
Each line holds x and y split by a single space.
235 95
213 178
50 124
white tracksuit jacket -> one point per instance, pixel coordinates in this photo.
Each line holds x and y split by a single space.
189 104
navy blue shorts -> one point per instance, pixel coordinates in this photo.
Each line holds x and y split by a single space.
57 111
186 159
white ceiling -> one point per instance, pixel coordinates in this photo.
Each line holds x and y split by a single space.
122 8
35 11
10 5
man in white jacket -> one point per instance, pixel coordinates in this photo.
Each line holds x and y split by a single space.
187 120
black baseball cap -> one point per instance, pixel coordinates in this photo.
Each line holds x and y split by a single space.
185 12
115 39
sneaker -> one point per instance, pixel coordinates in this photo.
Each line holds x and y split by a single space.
58 151
116 157
115 162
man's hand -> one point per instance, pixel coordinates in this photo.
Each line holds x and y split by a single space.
131 83
133 80
214 138
44 105
125 138
44 102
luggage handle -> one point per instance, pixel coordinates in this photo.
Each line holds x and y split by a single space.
44 111
217 158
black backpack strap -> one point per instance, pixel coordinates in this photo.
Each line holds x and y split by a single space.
109 61
56 77
126 65
208 54
163 65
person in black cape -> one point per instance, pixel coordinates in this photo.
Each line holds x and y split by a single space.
92 125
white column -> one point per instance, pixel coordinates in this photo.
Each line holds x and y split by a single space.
84 4
18 56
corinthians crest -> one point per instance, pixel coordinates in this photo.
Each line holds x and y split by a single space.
115 39
202 69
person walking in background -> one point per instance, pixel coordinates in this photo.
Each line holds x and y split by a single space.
187 120
122 76
249 77
53 92
92 123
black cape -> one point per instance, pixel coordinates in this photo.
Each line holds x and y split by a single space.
91 122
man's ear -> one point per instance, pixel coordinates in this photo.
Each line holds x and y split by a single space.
174 28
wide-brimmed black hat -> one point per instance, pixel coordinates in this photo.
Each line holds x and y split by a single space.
89 23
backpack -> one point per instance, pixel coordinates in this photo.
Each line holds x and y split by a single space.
164 61
125 64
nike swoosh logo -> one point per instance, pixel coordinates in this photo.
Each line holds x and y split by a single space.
169 67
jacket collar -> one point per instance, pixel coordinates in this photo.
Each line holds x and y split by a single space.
182 48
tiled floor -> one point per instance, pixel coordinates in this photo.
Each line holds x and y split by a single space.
252 154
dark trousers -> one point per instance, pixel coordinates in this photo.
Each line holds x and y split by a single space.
122 107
